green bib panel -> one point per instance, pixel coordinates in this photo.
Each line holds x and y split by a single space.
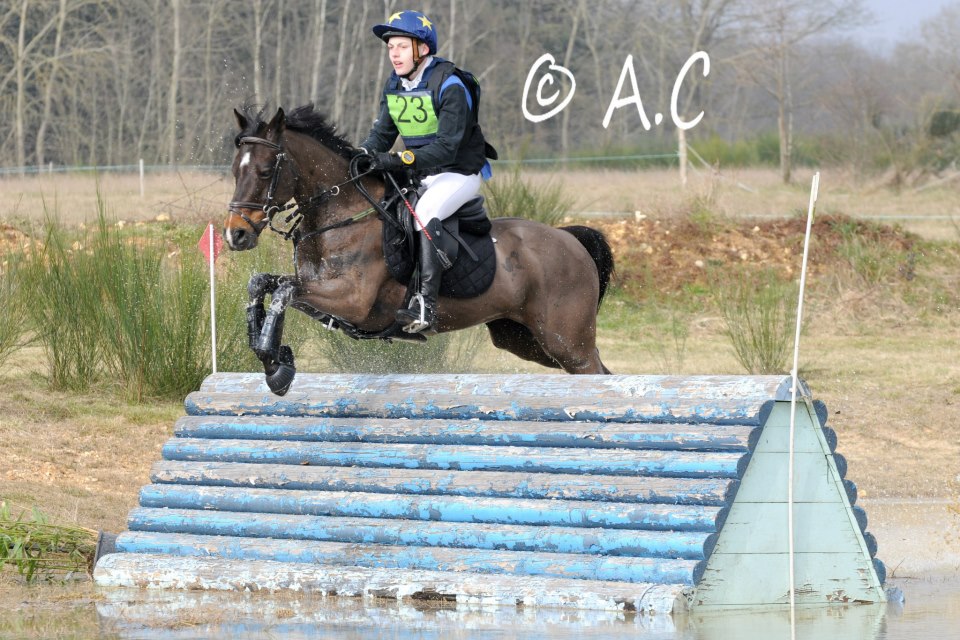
414 115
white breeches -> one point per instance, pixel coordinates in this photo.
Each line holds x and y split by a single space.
442 194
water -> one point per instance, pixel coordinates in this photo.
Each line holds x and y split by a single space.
932 611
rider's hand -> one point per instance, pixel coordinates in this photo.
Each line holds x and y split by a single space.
387 162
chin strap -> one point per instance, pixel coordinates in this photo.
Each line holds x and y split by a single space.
417 58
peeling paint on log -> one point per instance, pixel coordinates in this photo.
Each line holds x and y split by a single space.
557 565
614 542
172 572
480 484
464 458
581 435
564 513
604 492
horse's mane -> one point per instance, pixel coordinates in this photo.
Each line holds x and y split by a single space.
303 119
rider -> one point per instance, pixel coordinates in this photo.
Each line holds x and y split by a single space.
444 145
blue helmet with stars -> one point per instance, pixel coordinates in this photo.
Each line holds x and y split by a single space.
408 23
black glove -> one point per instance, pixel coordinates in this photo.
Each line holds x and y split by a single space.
387 162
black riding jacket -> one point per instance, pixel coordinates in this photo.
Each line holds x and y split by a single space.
459 145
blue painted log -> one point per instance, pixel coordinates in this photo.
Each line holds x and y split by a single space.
564 513
614 542
589 491
479 484
581 435
434 406
465 458
172 572
556 565
690 390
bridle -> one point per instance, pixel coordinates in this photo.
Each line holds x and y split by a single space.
270 209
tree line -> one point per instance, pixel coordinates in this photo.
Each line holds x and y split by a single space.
105 82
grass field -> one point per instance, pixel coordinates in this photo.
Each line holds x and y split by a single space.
887 365
931 209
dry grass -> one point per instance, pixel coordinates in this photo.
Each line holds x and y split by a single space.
191 197
658 194
181 197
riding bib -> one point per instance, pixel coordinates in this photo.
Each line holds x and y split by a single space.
414 115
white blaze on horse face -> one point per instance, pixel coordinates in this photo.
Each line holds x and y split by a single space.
245 160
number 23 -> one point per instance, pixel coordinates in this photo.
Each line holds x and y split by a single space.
418 107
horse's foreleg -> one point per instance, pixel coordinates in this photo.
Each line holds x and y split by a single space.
265 329
257 289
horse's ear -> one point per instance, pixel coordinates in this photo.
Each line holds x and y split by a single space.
277 123
241 120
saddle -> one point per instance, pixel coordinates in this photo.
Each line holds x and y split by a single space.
465 240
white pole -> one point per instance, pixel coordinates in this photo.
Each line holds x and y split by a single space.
213 305
141 179
814 188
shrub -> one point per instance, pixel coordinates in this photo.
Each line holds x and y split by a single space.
759 316
441 353
13 308
128 311
511 196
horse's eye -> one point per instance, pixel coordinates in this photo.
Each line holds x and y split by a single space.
266 173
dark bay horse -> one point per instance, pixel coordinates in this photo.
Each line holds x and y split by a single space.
542 305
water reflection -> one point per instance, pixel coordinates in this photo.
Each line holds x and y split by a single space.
140 614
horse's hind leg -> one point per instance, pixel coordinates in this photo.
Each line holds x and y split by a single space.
517 339
571 342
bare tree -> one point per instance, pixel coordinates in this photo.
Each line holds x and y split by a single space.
774 29
174 86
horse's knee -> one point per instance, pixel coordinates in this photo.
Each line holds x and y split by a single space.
261 284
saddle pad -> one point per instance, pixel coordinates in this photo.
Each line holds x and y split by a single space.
465 279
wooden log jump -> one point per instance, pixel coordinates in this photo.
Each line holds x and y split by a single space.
650 493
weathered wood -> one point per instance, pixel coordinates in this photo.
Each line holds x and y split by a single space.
481 484
654 387
436 406
816 574
564 513
767 524
748 566
299 616
535 489
466 458
172 572
556 565
585 435
654 544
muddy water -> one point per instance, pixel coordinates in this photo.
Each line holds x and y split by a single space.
932 611
919 541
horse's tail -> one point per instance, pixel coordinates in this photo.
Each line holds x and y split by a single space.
599 249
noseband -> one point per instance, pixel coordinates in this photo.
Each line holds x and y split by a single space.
269 209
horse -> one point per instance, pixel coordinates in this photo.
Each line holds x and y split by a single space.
541 306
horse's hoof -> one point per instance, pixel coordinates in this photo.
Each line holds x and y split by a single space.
281 379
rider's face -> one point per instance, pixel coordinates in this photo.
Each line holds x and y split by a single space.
400 50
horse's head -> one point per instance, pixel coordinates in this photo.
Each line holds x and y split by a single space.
261 184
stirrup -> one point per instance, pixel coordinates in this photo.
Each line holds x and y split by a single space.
418 324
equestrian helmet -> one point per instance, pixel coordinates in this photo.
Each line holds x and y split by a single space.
408 23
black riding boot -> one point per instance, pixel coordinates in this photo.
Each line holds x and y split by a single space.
421 316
